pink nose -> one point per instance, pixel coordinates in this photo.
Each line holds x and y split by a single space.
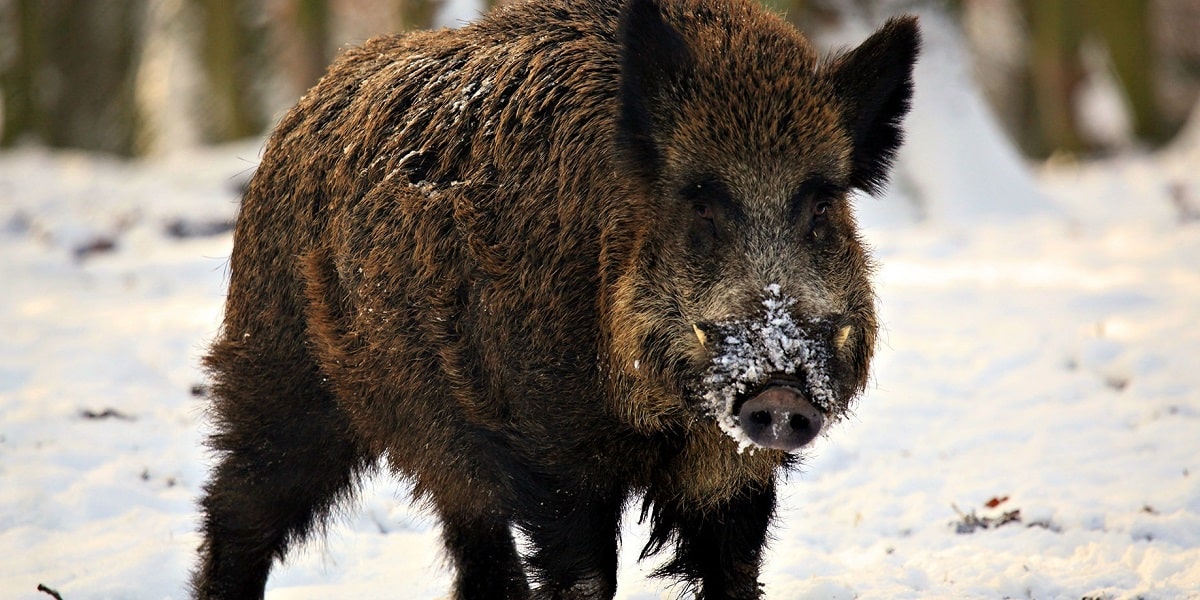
780 417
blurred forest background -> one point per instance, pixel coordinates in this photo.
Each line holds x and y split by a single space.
138 77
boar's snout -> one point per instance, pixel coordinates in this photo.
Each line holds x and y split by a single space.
780 417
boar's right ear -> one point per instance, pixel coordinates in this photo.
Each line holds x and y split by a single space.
654 57
874 84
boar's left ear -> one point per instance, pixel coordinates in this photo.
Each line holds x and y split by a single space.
654 57
874 84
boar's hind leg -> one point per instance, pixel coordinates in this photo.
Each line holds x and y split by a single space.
718 550
284 459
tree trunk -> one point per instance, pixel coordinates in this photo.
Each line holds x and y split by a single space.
1056 73
416 14
1125 27
71 79
232 48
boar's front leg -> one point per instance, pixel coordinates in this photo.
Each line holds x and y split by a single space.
573 533
718 549
485 558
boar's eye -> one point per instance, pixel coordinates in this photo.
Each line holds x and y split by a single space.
707 196
812 203
712 210
818 216
706 219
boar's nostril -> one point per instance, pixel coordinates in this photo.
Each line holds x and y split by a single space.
780 417
800 423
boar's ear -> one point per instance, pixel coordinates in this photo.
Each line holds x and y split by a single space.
874 84
654 57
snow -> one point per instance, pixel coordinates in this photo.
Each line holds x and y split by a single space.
950 127
1039 354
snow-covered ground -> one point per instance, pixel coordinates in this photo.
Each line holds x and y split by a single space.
1049 359
1033 430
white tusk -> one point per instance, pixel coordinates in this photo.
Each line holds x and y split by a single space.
700 335
843 335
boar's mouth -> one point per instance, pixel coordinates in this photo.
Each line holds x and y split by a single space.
769 380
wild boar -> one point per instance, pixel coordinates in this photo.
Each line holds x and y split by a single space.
576 255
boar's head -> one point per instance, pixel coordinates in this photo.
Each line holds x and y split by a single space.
750 287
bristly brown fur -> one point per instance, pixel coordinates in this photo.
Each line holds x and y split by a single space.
465 253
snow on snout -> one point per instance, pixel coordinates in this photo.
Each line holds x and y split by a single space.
748 352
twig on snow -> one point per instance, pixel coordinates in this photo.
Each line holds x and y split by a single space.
52 592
